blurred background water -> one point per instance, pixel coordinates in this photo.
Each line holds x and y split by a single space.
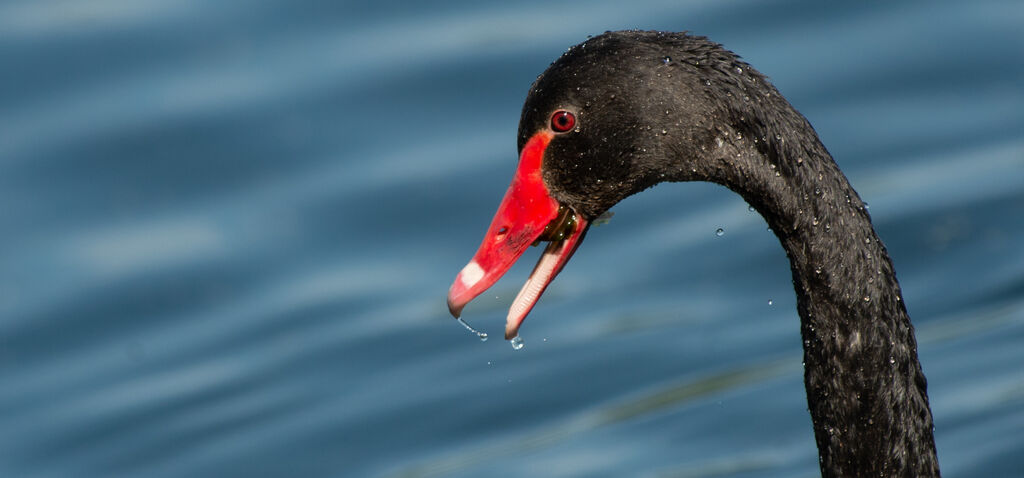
227 230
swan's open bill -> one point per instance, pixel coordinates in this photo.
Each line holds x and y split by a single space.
526 215
624 111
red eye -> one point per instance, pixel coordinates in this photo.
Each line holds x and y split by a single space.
562 121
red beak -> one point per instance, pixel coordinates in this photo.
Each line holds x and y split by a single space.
526 215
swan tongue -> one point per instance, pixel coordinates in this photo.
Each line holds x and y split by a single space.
527 214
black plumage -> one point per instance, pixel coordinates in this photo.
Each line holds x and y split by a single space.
653 107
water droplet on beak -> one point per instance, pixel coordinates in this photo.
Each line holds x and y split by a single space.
481 335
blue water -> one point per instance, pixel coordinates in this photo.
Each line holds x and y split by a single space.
227 230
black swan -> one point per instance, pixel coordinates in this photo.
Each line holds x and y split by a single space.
624 111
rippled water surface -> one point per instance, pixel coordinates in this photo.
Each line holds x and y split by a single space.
228 229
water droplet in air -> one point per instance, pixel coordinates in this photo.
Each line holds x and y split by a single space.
517 343
719 232
666 60
770 302
750 208
482 335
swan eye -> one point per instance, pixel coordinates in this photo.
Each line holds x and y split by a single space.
562 121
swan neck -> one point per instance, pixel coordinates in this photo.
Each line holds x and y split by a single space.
865 387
